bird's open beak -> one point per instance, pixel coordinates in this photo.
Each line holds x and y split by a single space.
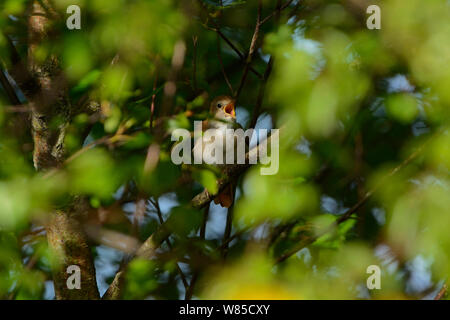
229 109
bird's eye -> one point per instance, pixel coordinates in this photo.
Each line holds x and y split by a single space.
219 105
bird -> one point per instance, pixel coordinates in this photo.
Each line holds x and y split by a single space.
222 117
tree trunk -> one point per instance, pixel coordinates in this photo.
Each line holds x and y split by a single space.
49 101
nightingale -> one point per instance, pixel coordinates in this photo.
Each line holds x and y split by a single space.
222 117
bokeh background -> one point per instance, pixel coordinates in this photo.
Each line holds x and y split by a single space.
364 149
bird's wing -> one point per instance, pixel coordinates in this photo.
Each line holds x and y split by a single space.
205 125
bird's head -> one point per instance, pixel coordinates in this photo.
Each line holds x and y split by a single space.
222 108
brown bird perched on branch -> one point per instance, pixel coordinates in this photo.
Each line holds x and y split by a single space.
223 116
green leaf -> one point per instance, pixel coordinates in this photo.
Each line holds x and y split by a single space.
184 220
334 239
140 279
207 179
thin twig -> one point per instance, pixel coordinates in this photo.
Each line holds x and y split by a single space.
262 88
19 72
260 97
228 41
23 108
441 293
167 240
138 215
9 89
194 63
270 16
101 141
251 50
190 289
152 105
34 258
219 55
205 221
236 50
234 236
233 47
227 232
170 87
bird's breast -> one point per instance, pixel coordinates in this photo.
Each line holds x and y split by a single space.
211 144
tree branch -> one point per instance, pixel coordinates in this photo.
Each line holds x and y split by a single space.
190 289
441 293
169 243
227 231
222 67
270 16
262 88
233 47
9 89
146 251
261 92
251 50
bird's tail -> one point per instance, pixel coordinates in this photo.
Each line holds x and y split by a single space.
226 197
